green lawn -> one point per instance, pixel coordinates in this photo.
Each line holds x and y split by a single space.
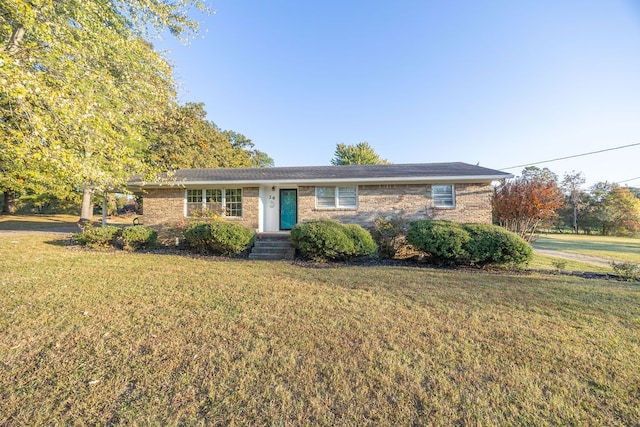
117 338
546 262
36 222
617 249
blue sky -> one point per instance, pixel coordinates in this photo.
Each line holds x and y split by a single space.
501 83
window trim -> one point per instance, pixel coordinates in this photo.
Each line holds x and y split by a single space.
336 197
204 205
452 199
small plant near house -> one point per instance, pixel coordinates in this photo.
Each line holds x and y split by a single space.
98 237
628 271
363 243
390 234
444 241
138 237
329 240
490 244
559 264
219 238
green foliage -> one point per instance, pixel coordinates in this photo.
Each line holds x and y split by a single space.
363 243
139 237
390 234
490 244
478 244
359 154
184 138
78 85
322 240
98 237
329 240
628 271
559 264
219 237
444 241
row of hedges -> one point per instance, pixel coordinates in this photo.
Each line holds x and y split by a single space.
445 242
129 238
215 238
450 243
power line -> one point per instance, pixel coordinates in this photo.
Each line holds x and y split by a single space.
573 156
627 180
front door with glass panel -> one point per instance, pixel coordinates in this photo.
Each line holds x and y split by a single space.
288 209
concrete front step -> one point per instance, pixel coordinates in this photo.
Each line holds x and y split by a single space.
273 244
275 256
276 246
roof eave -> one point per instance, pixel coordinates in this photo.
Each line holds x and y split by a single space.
371 180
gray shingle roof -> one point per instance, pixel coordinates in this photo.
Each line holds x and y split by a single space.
381 173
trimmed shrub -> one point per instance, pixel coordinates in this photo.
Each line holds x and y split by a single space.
219 238
362 241
490 244
444 241
98 237
139 237
329 240
322 240
390 235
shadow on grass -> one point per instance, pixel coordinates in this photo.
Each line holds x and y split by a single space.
62 242
55 225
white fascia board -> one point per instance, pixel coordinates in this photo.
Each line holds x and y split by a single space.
355 180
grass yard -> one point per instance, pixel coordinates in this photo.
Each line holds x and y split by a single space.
54 222
37 222
546 262
608 248
117 338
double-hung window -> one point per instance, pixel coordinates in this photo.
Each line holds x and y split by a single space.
337 197
443 196
222 201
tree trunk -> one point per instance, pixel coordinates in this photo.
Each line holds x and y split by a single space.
9 206
15 39
575 218
86 212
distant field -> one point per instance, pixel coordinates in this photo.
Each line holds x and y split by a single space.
115 338
607 248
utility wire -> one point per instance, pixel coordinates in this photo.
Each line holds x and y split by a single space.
575 155
627 180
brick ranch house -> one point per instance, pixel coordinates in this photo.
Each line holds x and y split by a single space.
275 199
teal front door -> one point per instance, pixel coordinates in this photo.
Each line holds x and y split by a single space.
288 209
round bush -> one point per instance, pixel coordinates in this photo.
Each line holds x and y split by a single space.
490 244
363 243
219 238
322 240
445 241
139 237
98 237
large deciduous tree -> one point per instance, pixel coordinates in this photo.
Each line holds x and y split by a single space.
184 138
78 83
520 205
614 209
359 154
571 183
